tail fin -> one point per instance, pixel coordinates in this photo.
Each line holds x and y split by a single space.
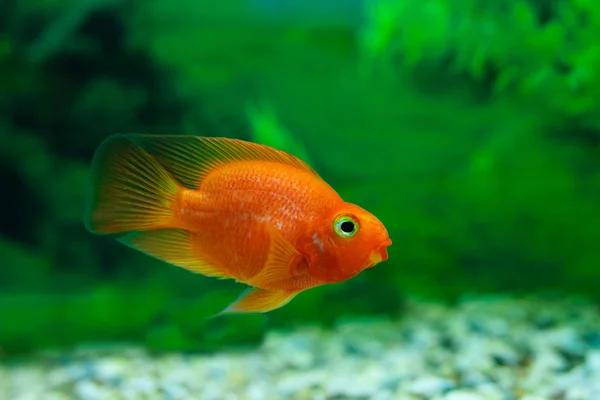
130 190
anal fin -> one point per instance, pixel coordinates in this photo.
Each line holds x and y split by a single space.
255 300
175 246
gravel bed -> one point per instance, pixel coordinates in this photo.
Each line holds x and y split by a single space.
483 348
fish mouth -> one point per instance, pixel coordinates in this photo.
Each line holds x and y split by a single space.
379 255
383 249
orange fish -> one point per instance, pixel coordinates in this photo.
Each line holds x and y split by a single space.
231 209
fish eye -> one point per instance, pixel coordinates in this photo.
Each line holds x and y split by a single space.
345 226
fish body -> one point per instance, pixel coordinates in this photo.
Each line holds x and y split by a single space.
239 200
231 209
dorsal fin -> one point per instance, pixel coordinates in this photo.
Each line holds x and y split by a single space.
190 158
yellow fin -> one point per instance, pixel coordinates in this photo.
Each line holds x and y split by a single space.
174 246
130 191
254 300
190 158
280 260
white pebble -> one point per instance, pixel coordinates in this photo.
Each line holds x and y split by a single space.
143 384
463 395
88 390
293 383
110 370
175 392
592 361
348 386
430 386
493 348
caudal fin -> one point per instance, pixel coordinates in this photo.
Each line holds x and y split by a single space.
130 190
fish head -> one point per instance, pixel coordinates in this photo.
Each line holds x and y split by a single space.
351 240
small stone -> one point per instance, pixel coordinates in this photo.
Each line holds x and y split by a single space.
492 348
592 361
383 395
58 377
143 384
110 371
175 392
293 383
430 386
561 338
295 350
491 391
87 390
212 391
544 366
257 391
347 386
497 327
51 396
404 362
79 371
578 393
463 395
127 393
502 353
474 378
474 356
406 396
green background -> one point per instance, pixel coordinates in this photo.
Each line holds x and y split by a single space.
471 128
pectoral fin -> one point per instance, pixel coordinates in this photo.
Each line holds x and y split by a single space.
281 260
254 300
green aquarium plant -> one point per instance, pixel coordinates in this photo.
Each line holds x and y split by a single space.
470 127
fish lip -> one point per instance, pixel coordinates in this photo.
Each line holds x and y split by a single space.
383 249
380 254
383 253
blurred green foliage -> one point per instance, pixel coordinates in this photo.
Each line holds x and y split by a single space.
471 128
